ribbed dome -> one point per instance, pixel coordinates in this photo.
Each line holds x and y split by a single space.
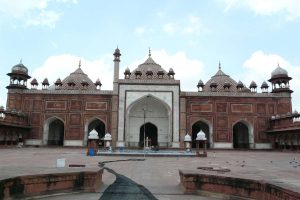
220 79
149 66
279 72
77 77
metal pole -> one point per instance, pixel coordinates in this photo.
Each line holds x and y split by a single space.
144 131
145 109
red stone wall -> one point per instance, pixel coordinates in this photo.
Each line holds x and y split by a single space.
233 187
33 185
73 109
223 112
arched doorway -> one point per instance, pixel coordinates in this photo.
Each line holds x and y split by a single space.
56 133
200 125
150 131
99 126
241 136
145 111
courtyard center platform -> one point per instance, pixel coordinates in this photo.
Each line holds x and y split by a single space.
147 153
160 175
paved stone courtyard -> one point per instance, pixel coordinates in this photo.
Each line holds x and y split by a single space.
159 175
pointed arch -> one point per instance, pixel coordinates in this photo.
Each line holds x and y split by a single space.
94 123
157 113
242 135
150 131
206 127
54 131
145 97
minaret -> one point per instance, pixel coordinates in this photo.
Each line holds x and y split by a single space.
117 60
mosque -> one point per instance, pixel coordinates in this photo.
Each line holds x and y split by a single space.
148 102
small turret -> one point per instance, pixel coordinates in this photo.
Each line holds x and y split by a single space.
226 86
149 73
127 73
98 84
171 73
45 84
84 84
58 84
213 86
200 86
253 86
34 84
240 86
18 77
264 87
280 80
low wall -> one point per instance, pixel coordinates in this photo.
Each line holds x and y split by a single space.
32 185
193 182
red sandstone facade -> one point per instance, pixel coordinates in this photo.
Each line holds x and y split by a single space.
230 114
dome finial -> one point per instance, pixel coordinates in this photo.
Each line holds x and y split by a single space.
21 61
278 64
79 64
219 64
149 52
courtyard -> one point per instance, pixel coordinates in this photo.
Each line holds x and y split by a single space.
160 175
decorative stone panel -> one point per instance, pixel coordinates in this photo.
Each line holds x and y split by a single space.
201 107
96 106
56 105
241 108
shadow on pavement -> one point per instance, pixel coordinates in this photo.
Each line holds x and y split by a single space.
124 187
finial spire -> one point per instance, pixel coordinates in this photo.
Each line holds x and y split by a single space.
21 61
219 64
79 65
278 64
149 52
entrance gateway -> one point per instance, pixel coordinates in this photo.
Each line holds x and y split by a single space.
151 117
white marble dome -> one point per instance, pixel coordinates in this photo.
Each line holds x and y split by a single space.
201 135
107 137
93 134
187 138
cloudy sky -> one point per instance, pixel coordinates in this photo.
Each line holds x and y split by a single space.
248 37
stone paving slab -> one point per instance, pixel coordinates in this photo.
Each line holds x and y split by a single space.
158 174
